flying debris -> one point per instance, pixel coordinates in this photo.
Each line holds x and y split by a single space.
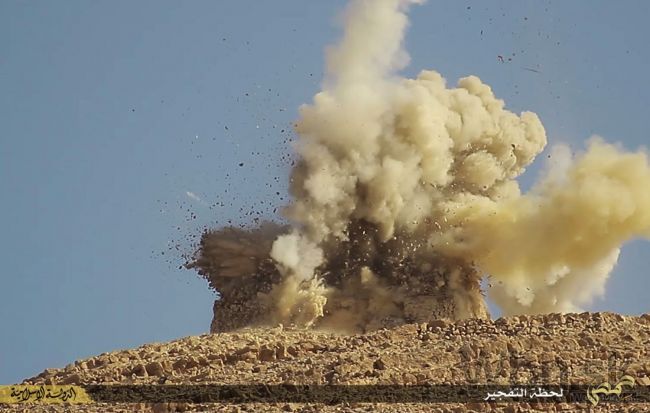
405 192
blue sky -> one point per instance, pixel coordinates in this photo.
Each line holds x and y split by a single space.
123 126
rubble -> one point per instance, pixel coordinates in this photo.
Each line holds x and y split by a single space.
583 348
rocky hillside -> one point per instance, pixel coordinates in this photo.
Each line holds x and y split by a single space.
585 348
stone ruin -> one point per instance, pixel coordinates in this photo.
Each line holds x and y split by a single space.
237 265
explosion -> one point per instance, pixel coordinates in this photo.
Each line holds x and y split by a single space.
405 196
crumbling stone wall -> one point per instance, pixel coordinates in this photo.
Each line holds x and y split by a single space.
420 300
237 265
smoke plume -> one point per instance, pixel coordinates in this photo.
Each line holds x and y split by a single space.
407 187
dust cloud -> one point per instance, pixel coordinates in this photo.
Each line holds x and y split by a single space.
405 196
